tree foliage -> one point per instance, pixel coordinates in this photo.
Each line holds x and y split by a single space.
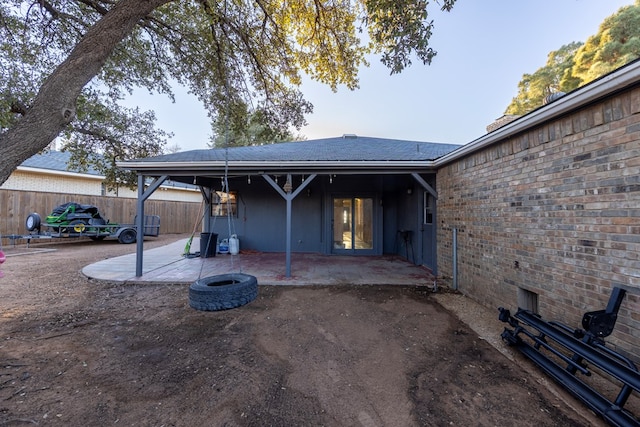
616 44
65 64
576 64
246 127
533 88
104 133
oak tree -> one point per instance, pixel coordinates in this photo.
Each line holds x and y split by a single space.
616 43
65 64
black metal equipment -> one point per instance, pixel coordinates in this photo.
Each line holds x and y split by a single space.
406 238
563 352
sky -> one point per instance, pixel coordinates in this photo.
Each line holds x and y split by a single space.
484 48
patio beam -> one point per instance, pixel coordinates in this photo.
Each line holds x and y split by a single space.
425 185
288 196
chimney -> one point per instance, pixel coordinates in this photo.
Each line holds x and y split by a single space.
502 121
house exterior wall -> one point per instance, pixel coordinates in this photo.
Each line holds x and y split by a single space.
42 180
554 211
260 222
165 192
53 183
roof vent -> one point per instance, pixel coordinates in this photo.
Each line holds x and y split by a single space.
349 136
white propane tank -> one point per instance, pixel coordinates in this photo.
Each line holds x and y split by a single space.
234 245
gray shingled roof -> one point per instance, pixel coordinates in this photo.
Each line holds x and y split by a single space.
54 160
345 148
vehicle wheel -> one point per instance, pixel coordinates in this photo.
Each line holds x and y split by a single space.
95 225
33 222
223 292
127 236
76 226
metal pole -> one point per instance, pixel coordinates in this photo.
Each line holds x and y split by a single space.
455 259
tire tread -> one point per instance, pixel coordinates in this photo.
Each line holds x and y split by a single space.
205 295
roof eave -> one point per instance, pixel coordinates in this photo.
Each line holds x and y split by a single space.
260 167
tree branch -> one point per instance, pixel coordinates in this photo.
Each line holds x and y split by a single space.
54 105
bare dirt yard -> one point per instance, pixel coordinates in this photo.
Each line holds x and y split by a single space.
75 352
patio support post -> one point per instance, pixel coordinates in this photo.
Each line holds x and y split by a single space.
288 243
288 196
207 197
139 226
139 223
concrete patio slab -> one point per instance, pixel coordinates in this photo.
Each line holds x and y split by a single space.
167 264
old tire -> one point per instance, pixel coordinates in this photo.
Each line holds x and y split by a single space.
223 292
33 222
127 236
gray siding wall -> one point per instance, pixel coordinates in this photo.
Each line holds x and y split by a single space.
260 223
261 218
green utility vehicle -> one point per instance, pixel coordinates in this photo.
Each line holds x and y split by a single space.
75 220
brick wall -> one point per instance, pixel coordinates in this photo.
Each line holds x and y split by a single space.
555 211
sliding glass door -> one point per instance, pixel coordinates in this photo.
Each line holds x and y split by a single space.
353 224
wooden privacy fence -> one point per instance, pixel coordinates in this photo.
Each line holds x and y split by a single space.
15 206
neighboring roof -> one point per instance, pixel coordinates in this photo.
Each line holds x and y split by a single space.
55 161
345 154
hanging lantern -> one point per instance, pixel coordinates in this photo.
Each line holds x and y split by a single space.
287 185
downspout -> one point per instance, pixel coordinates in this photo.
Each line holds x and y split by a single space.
454 261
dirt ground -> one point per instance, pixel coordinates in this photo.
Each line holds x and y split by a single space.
76 352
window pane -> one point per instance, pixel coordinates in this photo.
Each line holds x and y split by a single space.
224 204
353 223
428 208
363 216
342 223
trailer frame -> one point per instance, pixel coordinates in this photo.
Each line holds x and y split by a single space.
124 233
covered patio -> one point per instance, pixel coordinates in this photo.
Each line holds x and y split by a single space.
167 264
348 195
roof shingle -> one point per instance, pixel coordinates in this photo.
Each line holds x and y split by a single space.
347 148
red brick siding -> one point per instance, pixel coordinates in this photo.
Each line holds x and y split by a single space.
563 201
